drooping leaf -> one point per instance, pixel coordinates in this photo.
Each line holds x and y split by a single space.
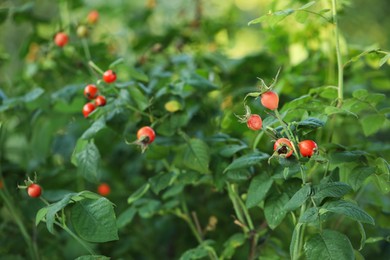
94 220
197 156
358 175
258 189
363 235
372 123
88 162
294 246
162 181
40 215
139 98
274 209
126 217
332 190
329 245
54 208
298 199
246 161
138 193
350 210
94 128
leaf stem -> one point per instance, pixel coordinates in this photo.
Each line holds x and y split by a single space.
95 67
340 70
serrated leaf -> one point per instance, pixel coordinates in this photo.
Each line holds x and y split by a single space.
298 199
138 193
350 210
372 123
309 216
331 190
139 98
230 150
258 189
197 156
347 156
126 217
329 244
94 128
358 175
88 162
246 161
274 209
311 123
330 110
52 210
94 220
40 215
162 181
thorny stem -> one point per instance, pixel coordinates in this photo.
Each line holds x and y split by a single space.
338 55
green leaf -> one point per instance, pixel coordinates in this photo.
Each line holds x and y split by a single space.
162 181
137 75
139 98
330 110
195 80
305 6
347 156
298 199
274 209
28 97
231 244
94 220
41 215
88 162
238 175
309 216
350 210
94 128
258 189
149 208
372 123
330 245
294 246
332 190
197 156
311 123
52 210
301 17
358 175
230 150
93 257
384 59
246 161
138 193
363 235
199 252
382 182
126 217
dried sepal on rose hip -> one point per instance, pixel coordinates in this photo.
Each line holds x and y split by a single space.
283 147
145 136
253 121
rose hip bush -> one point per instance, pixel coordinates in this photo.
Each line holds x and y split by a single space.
122 132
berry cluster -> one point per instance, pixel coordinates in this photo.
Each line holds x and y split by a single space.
91 92
283 147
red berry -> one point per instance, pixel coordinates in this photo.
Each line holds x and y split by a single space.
90 91
109 76
88 109
34 190
283 146
100 101
307 148
254 122
61 39
93 17
270 100
104 189
146 135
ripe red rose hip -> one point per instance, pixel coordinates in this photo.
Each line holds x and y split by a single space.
270 100
90 91
254 122
100 101
146 135
34 190
61 39
104 189
307 148
93 17
283 146
109 76
88 109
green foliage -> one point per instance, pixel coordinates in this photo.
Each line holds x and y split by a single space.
207 187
